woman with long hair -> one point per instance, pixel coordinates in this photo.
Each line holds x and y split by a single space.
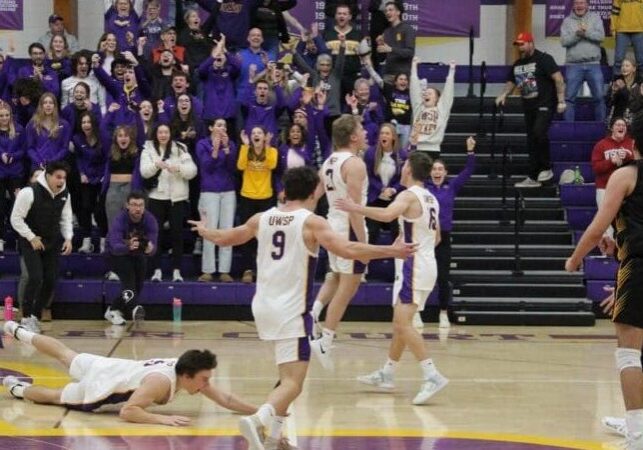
217 158
294 152
12 165
121 170
47 134
384 162
81 71
121 20
257 161
58 56
167 167
621 92
91 148
80 102
108 49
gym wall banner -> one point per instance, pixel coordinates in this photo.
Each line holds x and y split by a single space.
11 14
557 10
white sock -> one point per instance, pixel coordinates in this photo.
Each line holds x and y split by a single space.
24 335
318 307
389 367
276 426
266 414
327 337
634 421
18 390
428 368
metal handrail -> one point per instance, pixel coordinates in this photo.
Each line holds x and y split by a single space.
470 93
496 124
483 89
519 221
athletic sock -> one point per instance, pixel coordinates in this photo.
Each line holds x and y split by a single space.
276 426
18 390
318 307
266 414
389 367
24 335
634 421
428 368
327 337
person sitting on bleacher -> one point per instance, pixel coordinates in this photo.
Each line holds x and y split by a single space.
609 154
621 90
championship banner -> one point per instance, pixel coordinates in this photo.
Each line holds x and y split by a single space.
11 15
557 10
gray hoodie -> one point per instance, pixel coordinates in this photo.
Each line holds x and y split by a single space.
582 49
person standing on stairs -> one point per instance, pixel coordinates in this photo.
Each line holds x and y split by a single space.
445 190
542 89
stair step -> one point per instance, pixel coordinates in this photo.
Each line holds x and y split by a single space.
494 225
507 263
507 237
495 214
527 318
496 202
549 290
498 277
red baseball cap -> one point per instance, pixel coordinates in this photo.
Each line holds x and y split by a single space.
523 37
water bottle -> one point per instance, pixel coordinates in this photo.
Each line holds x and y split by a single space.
578 178
8 308
177 305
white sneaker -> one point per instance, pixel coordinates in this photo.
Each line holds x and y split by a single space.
111 276
157 276
545 175
1 245
31 324
87 246
417 321
444 320
138 314
11 327
323 353
378 379
176 276
429 388
615 424
528 183
10 382
198 247
250 428
114 317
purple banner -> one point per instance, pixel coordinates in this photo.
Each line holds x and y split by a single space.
428 17
557 10
11 15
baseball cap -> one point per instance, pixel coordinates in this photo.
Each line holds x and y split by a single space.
168 28
55 17
523 37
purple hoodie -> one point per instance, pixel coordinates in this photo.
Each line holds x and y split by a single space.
50 82
217 175
70 113
14 148
232 19
91 160
264 115
446 193
115 88
41 148
375 184
120 26
122 228
169 104
218 88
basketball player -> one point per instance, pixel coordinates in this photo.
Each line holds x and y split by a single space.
343 175
624 204
140 384
288 238
417 212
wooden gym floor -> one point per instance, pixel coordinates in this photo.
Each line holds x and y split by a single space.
513 388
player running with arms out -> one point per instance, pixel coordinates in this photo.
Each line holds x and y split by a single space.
288 238
417 211
139 384
623 204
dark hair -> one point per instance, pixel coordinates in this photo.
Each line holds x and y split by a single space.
93 120
156 143
177 124
120 61
300 182
262 81
420 164
36 45
179 73
399 5
135 195
636 129
302 130
75 60
53 166
194 361
29 88
614 119
88 90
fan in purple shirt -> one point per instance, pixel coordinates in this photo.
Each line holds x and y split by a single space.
11 163
122 20
37 70
47 135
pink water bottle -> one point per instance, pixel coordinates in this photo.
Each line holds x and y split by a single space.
8 308
177 305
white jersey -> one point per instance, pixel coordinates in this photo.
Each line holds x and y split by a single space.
417 268
285 274
102 380
336 188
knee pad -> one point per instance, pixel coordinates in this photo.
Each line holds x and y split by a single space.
627 358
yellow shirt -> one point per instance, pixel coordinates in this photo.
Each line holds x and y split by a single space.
257 175
627 16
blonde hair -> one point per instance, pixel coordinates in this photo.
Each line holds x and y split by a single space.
115 150
379 150
12 126
343 128
38 118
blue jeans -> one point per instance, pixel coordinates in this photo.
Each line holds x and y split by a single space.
623 41
576 74
218 209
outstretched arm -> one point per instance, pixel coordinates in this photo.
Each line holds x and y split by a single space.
388 214
228 400
229 237
153 389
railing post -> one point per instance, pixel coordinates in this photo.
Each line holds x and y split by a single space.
504 216
483 88
470 93
518 217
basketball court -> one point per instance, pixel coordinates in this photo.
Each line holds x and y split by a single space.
518 388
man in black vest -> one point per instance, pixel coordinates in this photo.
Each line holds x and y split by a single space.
42 217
